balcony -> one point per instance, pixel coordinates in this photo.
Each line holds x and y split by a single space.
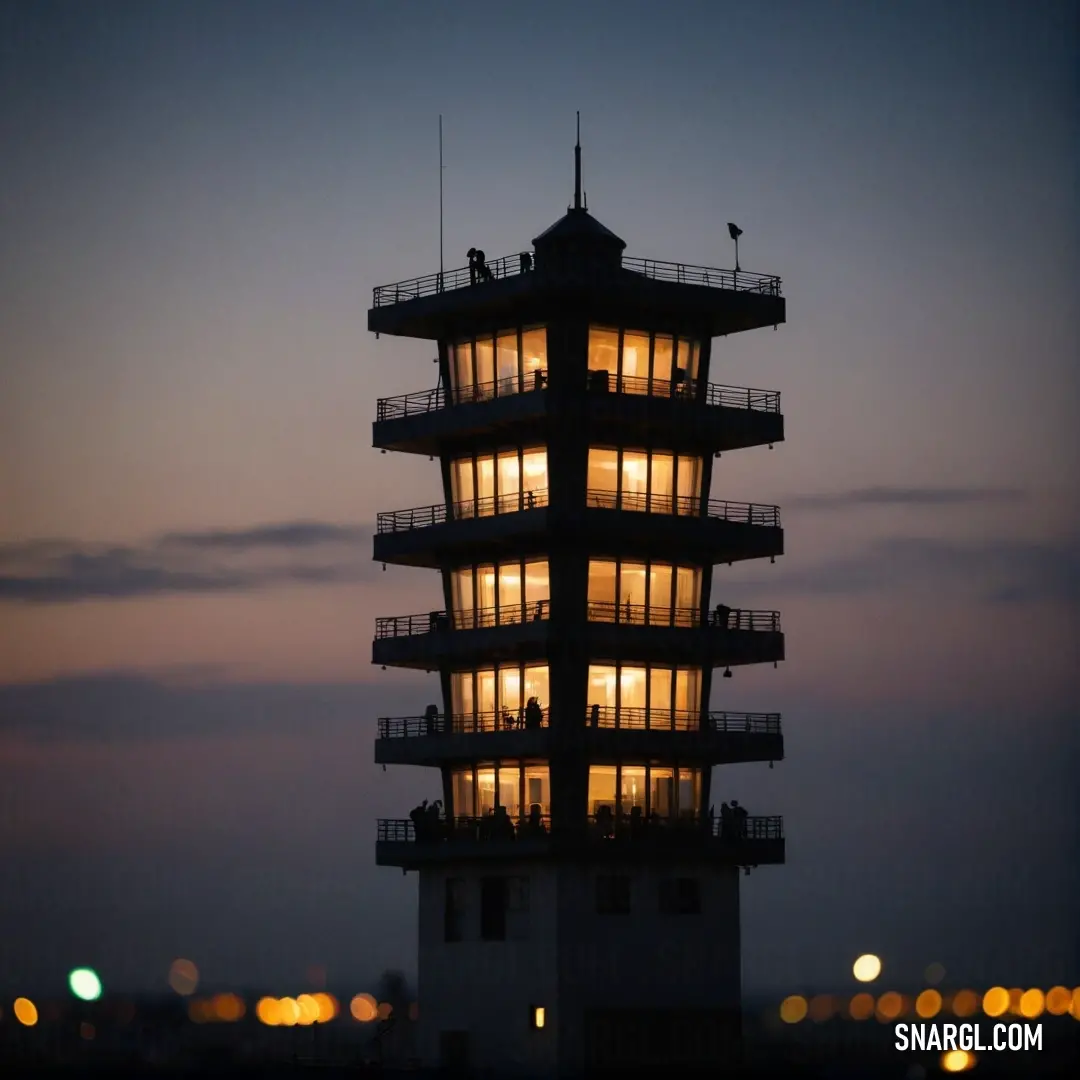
705 531
725 637
620 837
512 631
436 738
717 738
708 416
524 288
481 528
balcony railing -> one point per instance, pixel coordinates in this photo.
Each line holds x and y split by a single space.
684 505
513 265
723 618
630 718
395 626
421 517
410 727
625 718
420 402
612 826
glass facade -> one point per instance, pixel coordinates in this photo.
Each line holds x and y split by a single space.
508 362
622 695
637 362
515 591
642 480
652 593
496 698
664 791
499 483
515 786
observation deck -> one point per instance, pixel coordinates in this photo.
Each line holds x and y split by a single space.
619 838
715 738
619 523
614 631
689 415
522 290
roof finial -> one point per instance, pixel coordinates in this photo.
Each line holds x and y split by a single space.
577 166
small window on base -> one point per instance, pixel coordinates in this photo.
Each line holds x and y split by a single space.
537 1017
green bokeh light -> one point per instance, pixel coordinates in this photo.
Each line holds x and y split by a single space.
85 984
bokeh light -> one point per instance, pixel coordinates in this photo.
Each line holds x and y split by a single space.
928 1004
85 984
1058 999
288 1012
183 977
861 1006
1032 1003
364 1008
793 1009
822 1008
327 1005
309 1010
889 1006
199 1011
996 1001
228 1008
866 968
966 1003
385 1010
87 1030
934 973
955 1061
1074 1005
25 1012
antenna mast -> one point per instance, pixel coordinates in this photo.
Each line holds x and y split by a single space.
441 167
577 166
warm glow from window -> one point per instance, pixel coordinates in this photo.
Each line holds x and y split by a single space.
506 363
639 480
538 1016
793 1009
928 1004
866 968
658 364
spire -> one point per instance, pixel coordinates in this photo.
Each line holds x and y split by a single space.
577 166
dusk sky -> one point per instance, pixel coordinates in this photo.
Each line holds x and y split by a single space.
196 201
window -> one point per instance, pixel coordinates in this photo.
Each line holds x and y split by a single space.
642 480
653 593
493 897
517 908
680 896
661 793
511 786
636 362
501 483
647 696
480 700
612 895
508 362
454 910
498 594
537 1017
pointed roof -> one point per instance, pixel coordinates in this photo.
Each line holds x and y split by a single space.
578 225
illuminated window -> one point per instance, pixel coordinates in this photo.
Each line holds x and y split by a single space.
507 362
537 1017
653 593
503 483
481 700
635 362
500 594
661 793
511 786
638 480
645 696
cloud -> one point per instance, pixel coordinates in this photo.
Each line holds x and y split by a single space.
1000 571
212 561
857 498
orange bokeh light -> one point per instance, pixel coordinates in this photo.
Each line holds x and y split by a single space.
793 1009
861 1006
364 1008
889 1006
996 1001
928 1004
25 1012
183 977
268 1010
966 1003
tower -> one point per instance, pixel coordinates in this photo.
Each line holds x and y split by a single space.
579 903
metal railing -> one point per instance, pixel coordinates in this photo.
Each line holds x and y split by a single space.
437 830
422 517
395 626
721 618
617 823
409 727
684 505
512 265
420 402
633 718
